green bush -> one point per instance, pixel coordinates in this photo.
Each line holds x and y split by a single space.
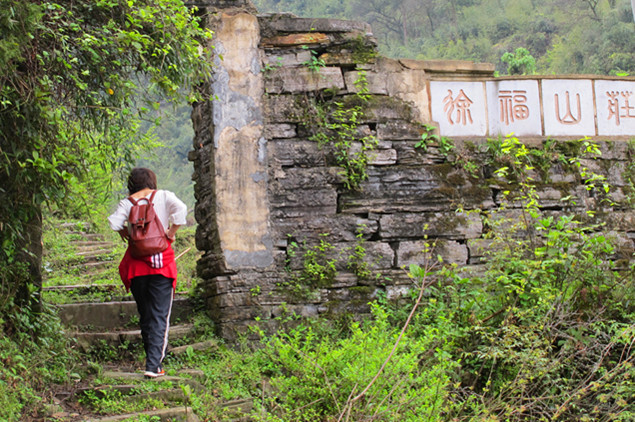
34 354
546 332
315 376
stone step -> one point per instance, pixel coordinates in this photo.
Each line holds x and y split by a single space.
89 266
94 253
172 396
83 293
96 258
108 272
92 243
176 379
75 225
236 409
113 315
85 288
193 374
88 236
97 272
181 414
197 347
91 273
86 340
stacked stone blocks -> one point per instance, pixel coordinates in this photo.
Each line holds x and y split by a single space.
410 197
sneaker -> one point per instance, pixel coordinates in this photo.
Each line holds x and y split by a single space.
150 374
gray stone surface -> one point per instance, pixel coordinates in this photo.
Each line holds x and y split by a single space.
439 251
114 315
184 414
86 340
276 59
290 23
303 79
281 130
399 129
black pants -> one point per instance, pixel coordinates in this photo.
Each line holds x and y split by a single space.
154 295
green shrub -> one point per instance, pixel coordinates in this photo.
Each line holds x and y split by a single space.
546 332
314 376
34 353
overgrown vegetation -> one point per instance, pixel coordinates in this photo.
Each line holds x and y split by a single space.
545 333
35 354
317 267
310 268
38 359
429 138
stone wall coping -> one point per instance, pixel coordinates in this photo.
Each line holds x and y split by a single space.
285 22
449 66
220 4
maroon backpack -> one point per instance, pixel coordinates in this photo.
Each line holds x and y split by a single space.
147 234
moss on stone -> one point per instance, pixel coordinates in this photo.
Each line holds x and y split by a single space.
353 101
449 223
477 193
456 179
362 290
444 170
569 148
399 108
447 192
363 50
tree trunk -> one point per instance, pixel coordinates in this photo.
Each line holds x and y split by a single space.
21 237
29 291
404 24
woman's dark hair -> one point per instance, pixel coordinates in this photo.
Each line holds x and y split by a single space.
141 178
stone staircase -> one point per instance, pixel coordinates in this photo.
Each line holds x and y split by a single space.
113 323
95 260
103 319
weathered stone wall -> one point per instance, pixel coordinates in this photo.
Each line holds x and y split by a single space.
266 193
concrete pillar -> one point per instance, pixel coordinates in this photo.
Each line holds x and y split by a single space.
238 148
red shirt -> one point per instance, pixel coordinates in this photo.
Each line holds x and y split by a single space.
162 263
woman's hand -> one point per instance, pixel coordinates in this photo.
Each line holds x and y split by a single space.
171 233
124 234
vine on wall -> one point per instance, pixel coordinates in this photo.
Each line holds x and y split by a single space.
336 124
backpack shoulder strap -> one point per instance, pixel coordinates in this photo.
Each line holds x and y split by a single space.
148 200
152 196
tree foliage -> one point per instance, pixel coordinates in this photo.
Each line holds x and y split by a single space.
565 36
169 159
73 76
520 62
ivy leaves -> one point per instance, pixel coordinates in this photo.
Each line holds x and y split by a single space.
341 131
